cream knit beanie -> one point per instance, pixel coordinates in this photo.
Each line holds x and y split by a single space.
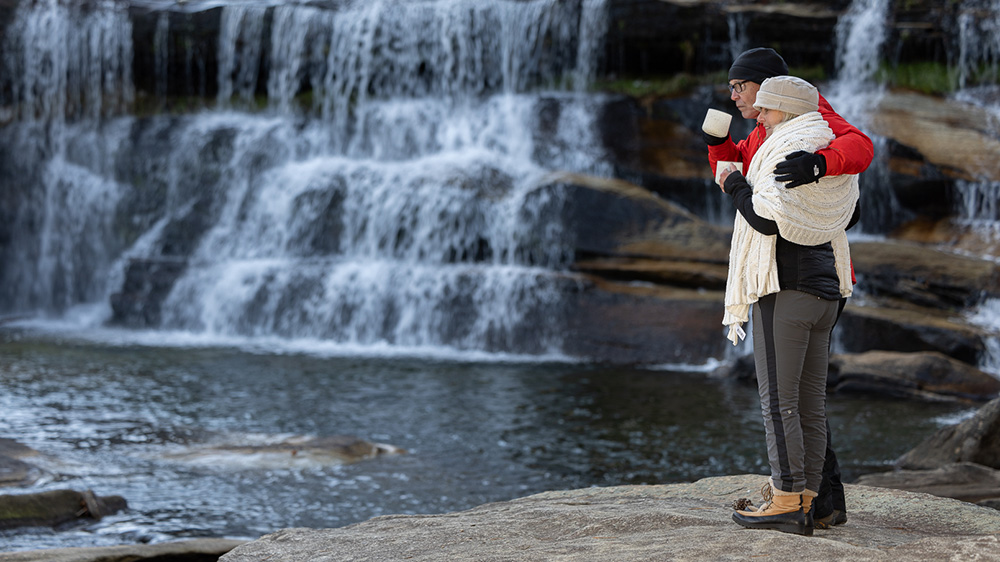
787 93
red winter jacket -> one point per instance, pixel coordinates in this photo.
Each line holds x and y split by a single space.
851 152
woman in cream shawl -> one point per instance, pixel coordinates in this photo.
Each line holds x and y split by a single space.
790 257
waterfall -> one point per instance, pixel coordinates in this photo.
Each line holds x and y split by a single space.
67 71
979 42
240 44
161 51
987 317
738 42
861 33
402 204
67 61
978 71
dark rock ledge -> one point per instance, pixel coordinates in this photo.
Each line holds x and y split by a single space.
196 550
669 522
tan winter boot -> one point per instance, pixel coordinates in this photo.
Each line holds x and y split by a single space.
782 512
807 500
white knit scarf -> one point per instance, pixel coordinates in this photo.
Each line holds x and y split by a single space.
809 215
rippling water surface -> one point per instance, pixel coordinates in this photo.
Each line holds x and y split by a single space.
122 418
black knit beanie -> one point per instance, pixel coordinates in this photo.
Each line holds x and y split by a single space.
758 65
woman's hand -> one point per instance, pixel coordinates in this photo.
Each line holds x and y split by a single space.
725 174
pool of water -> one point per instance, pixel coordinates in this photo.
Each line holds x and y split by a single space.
122 419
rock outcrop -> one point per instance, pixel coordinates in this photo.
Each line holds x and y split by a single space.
669 522
196 550
975 440
930 376
964 481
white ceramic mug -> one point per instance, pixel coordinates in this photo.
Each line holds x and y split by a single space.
717 123
721 166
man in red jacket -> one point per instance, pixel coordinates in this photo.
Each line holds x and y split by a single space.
851 152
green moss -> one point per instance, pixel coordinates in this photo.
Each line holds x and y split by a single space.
681 84
924 77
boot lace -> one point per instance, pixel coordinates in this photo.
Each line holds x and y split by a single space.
766 493
743 504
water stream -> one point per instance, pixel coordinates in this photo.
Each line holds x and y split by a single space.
135 419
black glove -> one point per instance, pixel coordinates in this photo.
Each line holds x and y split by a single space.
800 168
712 140
732 180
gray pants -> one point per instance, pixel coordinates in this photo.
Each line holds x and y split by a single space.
791 346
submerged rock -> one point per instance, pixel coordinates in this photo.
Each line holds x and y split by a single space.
287 453
690 521
13 470
55 507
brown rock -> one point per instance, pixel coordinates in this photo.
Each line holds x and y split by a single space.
872 328
964 481
610 217
921 375
957 235
642 323
923 275
677 273
949 133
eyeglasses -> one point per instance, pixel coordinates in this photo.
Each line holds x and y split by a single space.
738 86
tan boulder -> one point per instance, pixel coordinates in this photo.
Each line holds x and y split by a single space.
953 135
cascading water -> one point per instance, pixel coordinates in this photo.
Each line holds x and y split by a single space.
66 67
861 34
978 71
403 204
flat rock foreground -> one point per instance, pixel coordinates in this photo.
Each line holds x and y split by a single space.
669 522
635 523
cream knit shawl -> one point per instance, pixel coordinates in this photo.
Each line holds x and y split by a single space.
809 215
